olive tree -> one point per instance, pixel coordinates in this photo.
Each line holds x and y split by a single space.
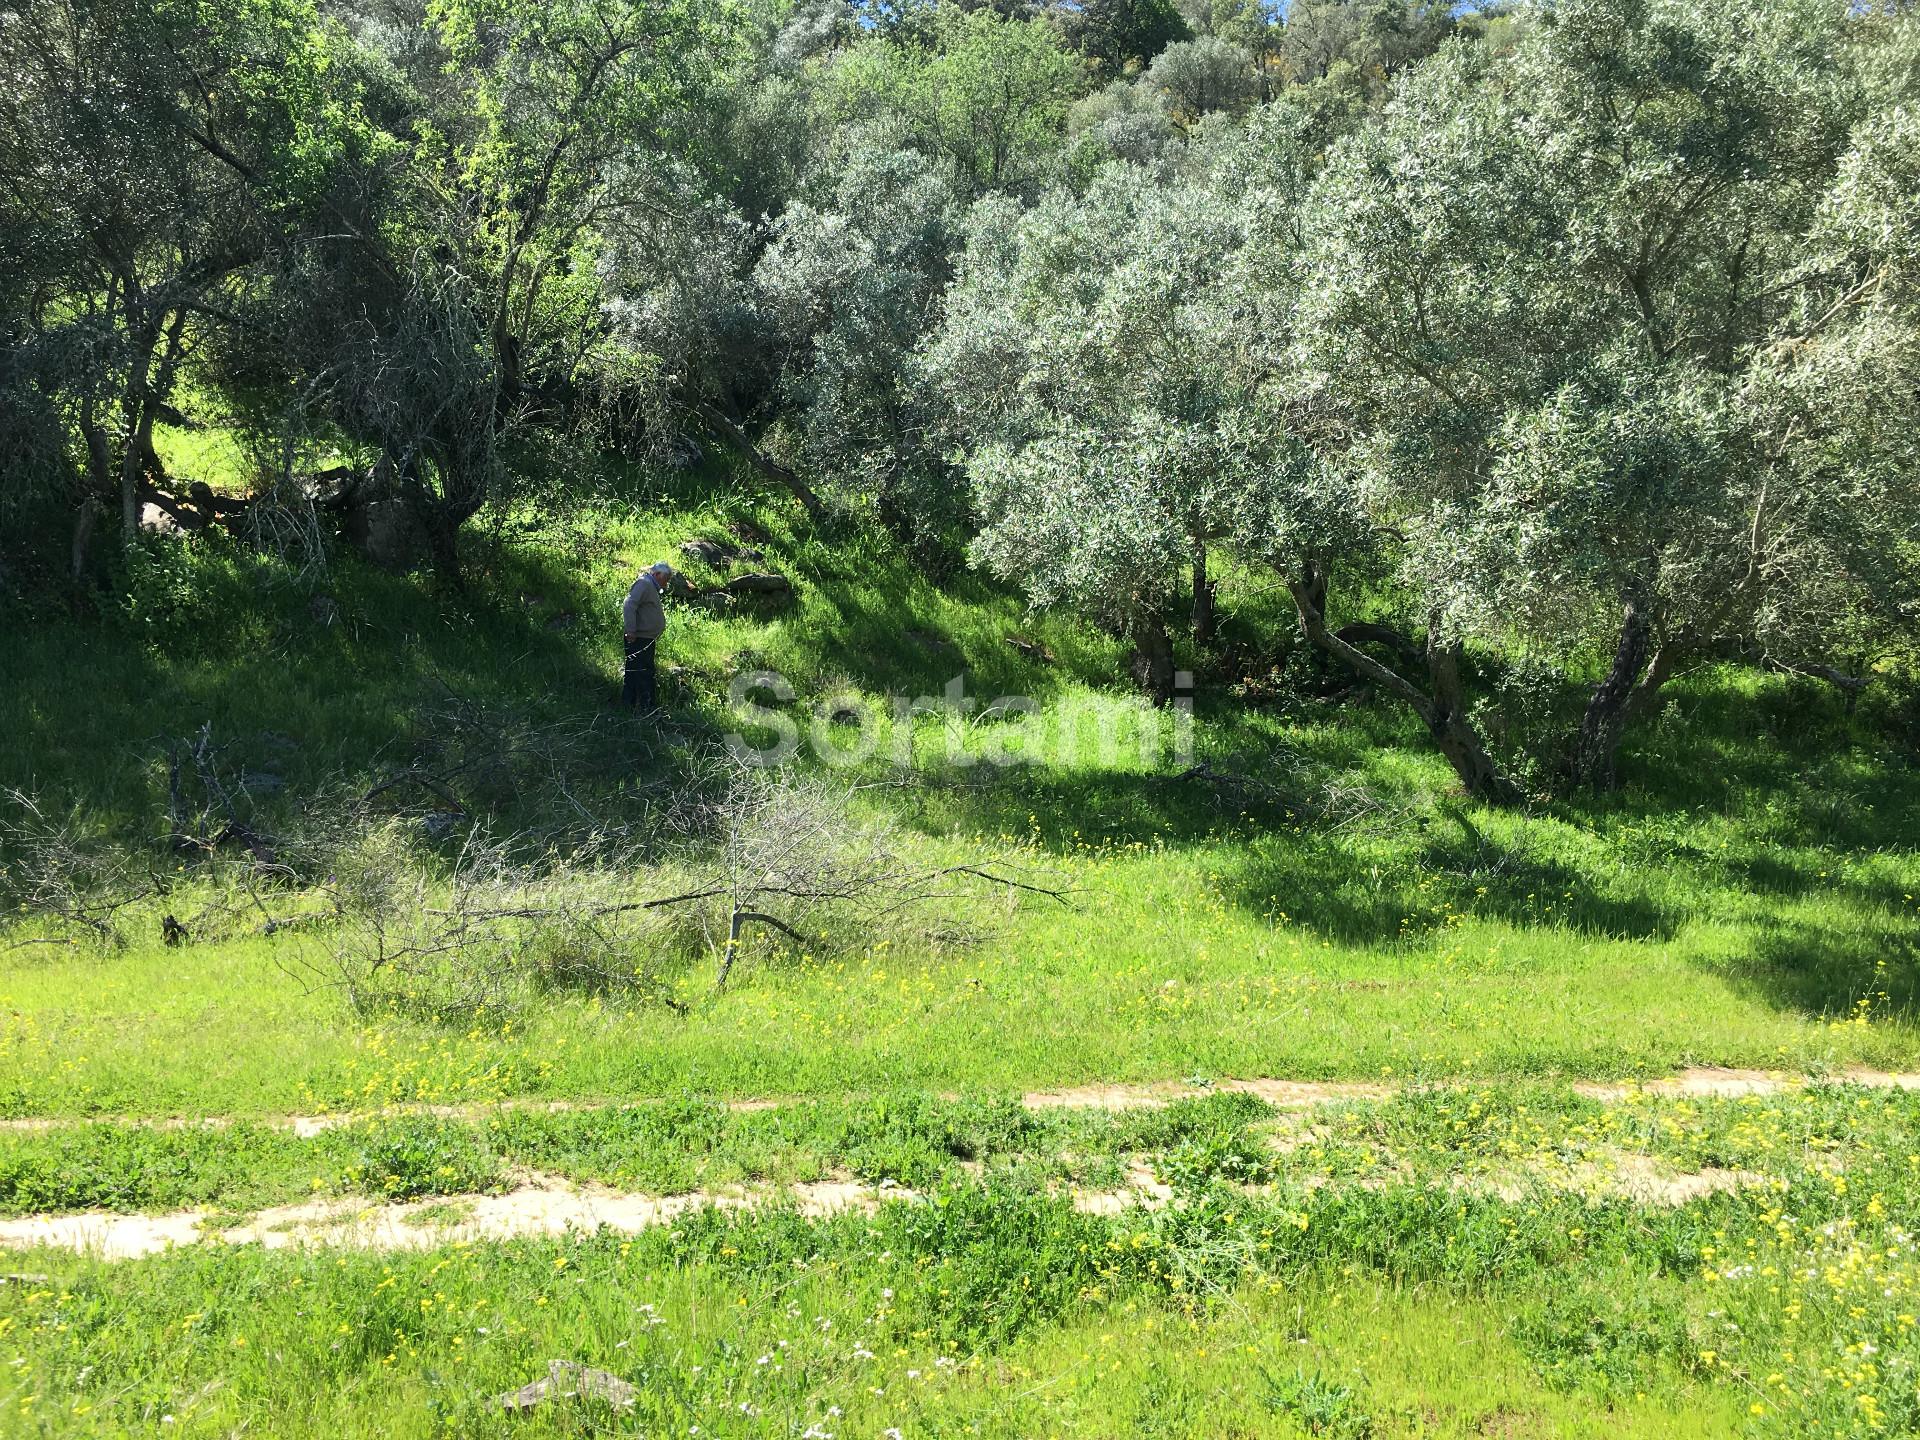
1125 121
537 142
987 93
790 337
1578 310
1118 36
462 302
1377 37
849 285
1198 77
687 335
1245 23
148 156
1090 359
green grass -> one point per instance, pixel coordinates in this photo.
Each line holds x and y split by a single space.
904 1138
1362 1353
1311 1285
1751 888
1384 1309
1749 899
1158 973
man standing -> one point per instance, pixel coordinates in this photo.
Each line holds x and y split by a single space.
643 618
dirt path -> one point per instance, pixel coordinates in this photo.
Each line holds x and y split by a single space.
548 1205
538 1205
1697 1082
1704 1081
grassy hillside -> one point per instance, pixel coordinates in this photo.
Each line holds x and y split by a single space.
1316 905
1740 903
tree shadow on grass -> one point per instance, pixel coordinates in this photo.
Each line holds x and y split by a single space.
1772 874
1274 855
1820 971
313 694
1415 884
892 633
1780 750
1523 885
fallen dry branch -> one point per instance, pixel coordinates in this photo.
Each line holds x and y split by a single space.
505 920
51 870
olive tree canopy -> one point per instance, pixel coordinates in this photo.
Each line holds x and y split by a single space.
1589 307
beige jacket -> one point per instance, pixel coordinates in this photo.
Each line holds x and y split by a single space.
642 614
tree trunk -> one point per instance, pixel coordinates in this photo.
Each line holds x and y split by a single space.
1364 632
763 462
82 546
443 547
1440 704
1153 658
1596 748
1203 591
133 407
1624 696
100 467
1451 729
440 516
1311 596
159 389
130 491
147 379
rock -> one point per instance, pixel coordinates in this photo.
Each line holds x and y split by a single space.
261 782
712 600
569 1380
720 553
389 531
747 532
679 587
439 824
708 552
324 609
758 584
156 521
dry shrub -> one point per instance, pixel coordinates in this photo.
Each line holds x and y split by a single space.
500 926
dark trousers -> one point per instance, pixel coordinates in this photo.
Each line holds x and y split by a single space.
638 692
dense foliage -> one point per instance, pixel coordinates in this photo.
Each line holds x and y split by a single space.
1577 339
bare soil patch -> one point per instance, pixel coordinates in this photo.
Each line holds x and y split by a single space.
538 1205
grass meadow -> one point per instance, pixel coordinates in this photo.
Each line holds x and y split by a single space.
1475 1239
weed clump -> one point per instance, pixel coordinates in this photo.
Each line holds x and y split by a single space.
421 1155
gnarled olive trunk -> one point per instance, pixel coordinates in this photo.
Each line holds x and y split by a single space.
1203 596
398 516
789 480
1626 692
1440 702
1153 658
